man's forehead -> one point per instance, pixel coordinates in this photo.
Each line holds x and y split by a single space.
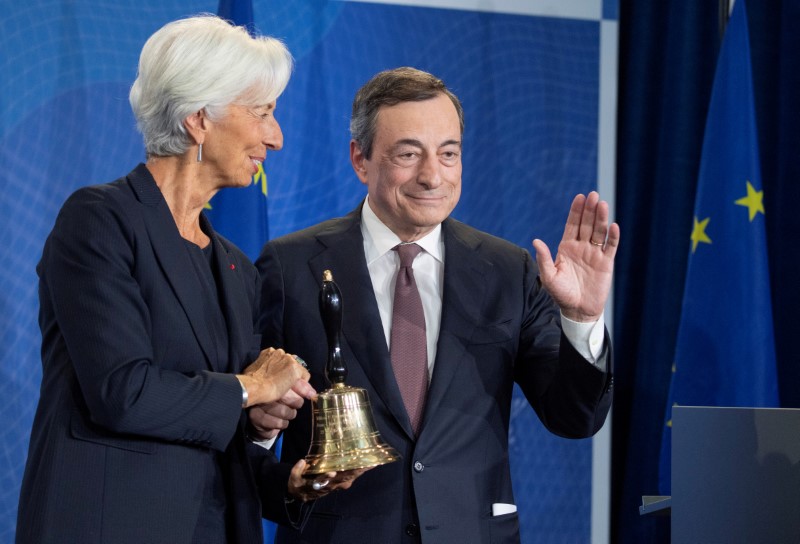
418 120
415 142
439 103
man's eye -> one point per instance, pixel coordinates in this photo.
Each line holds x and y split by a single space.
450 156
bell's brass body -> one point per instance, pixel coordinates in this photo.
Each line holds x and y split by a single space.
344 434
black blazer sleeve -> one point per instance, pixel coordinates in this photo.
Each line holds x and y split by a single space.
99 283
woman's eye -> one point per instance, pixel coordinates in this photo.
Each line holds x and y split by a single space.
263 115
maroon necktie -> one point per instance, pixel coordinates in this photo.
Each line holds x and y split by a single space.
408 347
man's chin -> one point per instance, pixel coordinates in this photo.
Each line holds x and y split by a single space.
431 215
427 222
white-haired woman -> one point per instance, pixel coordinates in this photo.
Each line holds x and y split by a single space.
149 349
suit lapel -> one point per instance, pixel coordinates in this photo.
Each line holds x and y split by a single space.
362 329
171 254
465 273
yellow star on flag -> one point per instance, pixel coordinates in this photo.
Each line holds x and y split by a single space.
261 177
754 201
699 232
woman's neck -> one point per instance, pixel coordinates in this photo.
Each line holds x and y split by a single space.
180 182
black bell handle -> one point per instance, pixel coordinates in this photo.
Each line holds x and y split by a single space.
330 307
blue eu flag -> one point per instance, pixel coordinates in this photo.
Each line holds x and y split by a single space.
725 353
241 214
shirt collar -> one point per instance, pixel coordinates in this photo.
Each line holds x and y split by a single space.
379 239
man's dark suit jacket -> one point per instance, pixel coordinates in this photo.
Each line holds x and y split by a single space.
135 402
498 326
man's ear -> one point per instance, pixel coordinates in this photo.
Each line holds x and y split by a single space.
358 160
197 125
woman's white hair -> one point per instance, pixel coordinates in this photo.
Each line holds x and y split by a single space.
202 62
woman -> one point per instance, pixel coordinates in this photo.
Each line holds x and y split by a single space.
147 315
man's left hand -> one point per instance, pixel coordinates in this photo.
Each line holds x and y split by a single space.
579 280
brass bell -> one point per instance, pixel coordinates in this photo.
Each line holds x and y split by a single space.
344 436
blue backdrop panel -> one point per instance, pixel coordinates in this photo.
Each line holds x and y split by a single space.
530 91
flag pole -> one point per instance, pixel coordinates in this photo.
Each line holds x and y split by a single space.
725 8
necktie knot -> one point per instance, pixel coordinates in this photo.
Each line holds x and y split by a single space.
407 253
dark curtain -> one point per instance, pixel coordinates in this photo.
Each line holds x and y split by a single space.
667 57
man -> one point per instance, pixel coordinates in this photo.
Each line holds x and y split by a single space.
491 318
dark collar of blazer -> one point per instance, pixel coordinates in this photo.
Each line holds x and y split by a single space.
466 269
170 252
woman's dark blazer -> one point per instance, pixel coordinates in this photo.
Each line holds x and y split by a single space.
137 397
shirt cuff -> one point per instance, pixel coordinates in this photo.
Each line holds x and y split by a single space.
266 444
586 338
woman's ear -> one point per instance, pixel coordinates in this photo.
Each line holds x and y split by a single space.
197 125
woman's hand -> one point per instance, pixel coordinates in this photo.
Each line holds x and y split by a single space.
270 377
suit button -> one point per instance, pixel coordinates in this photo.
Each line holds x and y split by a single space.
418 467
412 529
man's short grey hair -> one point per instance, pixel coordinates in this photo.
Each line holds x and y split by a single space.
389 88
202 62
